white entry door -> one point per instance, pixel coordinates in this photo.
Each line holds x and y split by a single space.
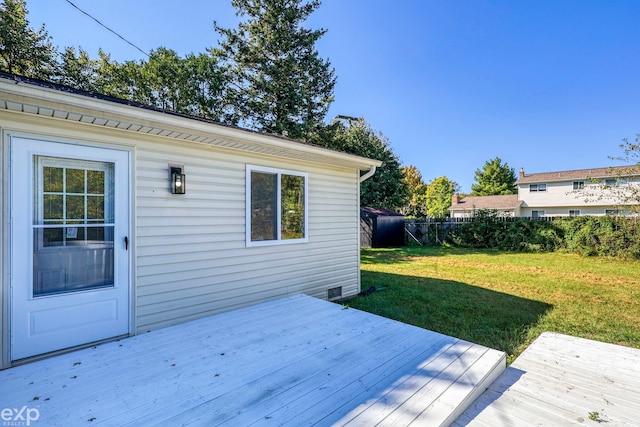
69 242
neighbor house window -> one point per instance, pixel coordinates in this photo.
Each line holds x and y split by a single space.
612 212
574 212
537 187
276 206
578 185
615 182
537 214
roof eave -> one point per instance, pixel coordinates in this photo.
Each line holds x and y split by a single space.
25 98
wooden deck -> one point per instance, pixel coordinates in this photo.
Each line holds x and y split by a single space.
560 381
294 361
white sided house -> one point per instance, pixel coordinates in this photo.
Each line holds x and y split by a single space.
598 191
118 219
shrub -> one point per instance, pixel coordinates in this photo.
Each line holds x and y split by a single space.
489 230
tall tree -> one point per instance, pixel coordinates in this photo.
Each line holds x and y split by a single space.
191 85
278 82
386 188
495 178
24 50
439 194
416 205
78 70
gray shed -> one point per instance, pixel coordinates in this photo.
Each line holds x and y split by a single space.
381 228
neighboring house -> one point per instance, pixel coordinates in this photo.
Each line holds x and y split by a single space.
574 193
466 207
563 193
98 242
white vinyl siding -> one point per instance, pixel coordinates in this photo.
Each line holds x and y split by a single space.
560 196
189 251
192 258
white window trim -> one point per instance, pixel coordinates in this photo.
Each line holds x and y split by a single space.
279 240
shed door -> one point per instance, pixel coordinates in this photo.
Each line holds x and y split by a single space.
69 222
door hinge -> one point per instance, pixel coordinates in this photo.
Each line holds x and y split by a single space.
126 243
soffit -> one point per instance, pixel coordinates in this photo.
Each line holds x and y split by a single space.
41 101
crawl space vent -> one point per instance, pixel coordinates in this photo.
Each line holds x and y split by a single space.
334 293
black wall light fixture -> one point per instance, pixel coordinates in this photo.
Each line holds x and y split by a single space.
177 179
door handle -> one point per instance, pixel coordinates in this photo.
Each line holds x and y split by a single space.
126 243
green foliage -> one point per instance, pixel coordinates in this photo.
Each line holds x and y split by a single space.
439 193
278 82
494 179
489 230
23 50
386 188
602 236
585 235
416 205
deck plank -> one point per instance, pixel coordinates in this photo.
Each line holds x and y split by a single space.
560 380
292 361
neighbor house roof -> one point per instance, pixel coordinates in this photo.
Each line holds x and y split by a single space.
594 173
509 201
47 99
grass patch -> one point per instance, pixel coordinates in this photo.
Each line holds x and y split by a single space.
504 300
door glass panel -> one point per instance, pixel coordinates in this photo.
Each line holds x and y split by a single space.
53 181
52 205
73 228
75 181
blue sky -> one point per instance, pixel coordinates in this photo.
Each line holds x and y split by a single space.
543 84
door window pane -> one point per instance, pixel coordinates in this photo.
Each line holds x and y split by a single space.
53 180
75 181
75 207
74 254
95 182
52 237
52 205
95 208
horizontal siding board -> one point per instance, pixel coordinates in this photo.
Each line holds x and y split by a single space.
200 295
207 268
191 255
164 294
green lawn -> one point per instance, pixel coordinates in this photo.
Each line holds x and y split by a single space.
504 300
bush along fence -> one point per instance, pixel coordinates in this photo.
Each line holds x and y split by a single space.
587 235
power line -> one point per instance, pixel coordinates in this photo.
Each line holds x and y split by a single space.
90 16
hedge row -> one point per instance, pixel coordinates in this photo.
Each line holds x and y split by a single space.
586 235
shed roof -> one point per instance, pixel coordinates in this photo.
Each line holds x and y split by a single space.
595 173
380 211
509 201
37 97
